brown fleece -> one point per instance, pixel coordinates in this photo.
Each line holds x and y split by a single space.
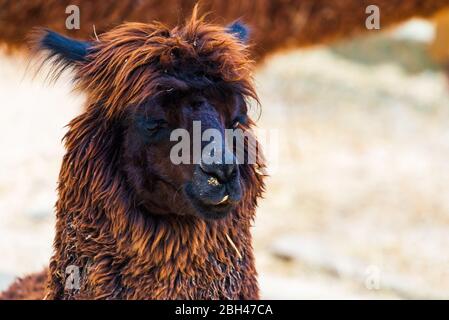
276 24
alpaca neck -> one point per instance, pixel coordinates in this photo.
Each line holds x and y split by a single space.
156 257
191 258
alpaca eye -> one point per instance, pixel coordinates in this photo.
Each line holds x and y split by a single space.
154 130
153 126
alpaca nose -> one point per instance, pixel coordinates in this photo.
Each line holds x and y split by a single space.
223 172
223 166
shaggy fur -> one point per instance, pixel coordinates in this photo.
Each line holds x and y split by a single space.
124 251
276 24
31 287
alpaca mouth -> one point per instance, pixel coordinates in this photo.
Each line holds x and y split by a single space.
214 190
210 208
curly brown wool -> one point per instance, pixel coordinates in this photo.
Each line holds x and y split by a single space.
122 250
275 24
31 287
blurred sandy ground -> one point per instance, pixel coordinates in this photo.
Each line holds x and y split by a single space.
358 206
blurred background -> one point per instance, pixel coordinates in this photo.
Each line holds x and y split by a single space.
358 205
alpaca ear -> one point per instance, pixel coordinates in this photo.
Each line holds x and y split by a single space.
239 30
60 50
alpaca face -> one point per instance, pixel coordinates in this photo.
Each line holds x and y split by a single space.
144 81
209 189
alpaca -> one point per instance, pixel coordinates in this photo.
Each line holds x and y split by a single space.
275 24
136 225
439 49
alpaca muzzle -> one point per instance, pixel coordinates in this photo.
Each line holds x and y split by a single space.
215 192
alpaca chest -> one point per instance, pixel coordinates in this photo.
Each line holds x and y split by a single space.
211 279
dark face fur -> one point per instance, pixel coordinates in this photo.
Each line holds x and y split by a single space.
211 190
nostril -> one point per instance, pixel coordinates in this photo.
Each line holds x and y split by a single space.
230 170
215 176
210 169
222 172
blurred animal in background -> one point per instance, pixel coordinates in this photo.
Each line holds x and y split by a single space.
135 225
440 47
31 287
275 24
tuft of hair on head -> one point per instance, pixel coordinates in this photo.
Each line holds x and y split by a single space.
239 30
57 50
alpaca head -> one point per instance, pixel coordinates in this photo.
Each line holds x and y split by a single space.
142 82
